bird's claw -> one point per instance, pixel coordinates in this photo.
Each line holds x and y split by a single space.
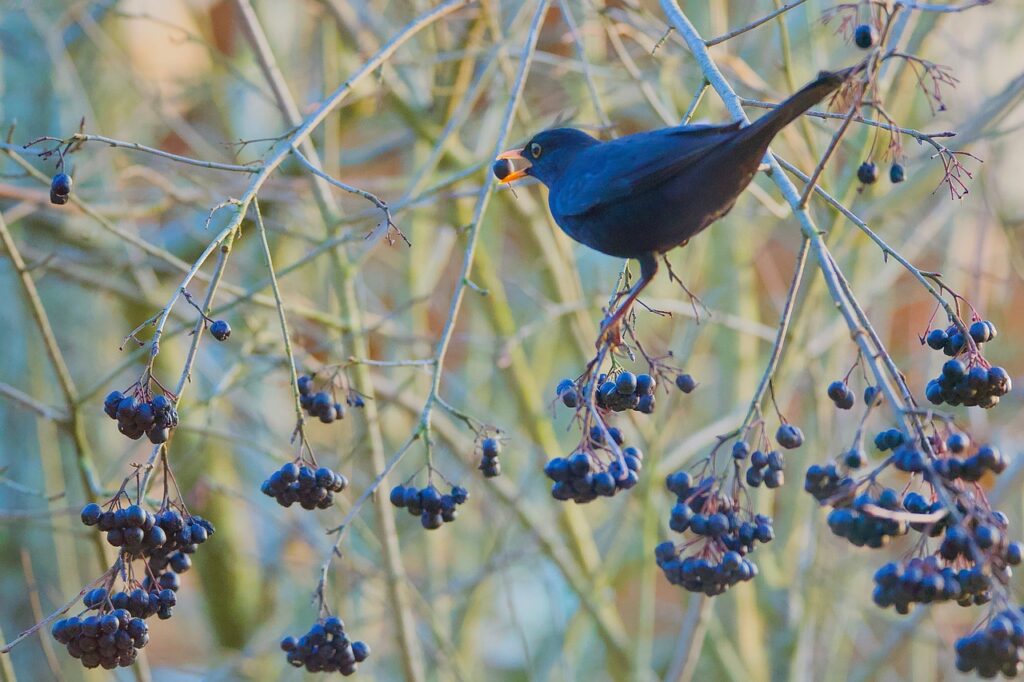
610 332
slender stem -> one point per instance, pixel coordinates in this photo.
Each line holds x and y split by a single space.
754 24
84 137
299 419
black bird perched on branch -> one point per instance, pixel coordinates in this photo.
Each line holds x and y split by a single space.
641 195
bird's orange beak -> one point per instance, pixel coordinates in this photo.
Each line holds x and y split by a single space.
516 174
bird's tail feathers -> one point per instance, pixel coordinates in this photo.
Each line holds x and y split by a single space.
769 125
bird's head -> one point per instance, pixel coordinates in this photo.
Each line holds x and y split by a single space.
549 153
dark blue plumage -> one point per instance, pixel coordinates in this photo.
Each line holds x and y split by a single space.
641 195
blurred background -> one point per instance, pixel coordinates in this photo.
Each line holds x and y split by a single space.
520 587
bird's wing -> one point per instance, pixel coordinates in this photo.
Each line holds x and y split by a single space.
629 165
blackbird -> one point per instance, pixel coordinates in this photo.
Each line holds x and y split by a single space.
641 195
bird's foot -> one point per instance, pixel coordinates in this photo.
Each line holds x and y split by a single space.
610 333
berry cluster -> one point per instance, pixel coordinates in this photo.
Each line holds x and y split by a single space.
951 341
726 533
974 385
998 648
583 476
841 394
867 173
140 533
626 391
60 189
971 381
109 640
321 404
767 468
311 488
433 508
857 524
490 448
138 414
140 602
326 648
618 392
827 485
972 467
924 580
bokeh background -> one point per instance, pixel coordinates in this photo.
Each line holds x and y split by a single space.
499 594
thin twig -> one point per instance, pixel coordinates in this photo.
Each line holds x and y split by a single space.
754 24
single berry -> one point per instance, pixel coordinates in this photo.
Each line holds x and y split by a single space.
897 174
789 436
60 188
625 383
867 173
220 329
685 383
854 459
865 36
502 168
937 339
980 332
490 448
91 514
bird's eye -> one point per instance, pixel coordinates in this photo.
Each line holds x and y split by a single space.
535 150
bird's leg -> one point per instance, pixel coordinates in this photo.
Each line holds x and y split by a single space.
611 327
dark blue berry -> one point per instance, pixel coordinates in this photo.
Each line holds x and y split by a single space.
864 36
220 330
867 173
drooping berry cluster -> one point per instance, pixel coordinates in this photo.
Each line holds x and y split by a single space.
974 385
626 391
139 414
323 405
860 526
584 476
972 467
970 381
433 508
141 602
971 562
140 533
827 485
109 640
841 394
997 648
952 341
326 648
299 482
490 448
725 535
618 392
924 580
765 467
